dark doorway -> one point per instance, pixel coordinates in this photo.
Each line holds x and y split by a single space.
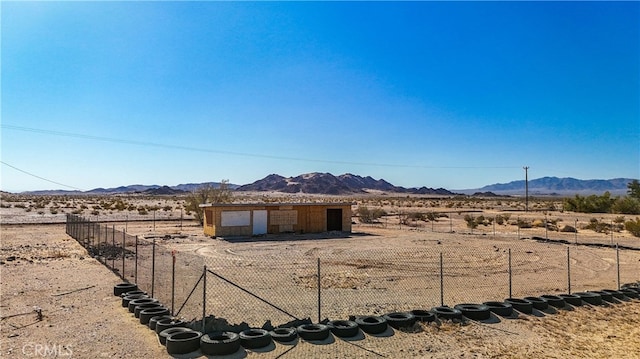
334 219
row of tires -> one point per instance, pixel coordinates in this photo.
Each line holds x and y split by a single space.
179 339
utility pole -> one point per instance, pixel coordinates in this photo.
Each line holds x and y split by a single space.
526 188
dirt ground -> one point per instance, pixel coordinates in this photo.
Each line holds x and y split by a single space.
45 271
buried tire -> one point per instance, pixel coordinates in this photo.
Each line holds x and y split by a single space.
474 311
572 299
120 288
313 331
590 297
538 302
502 309
128 298
146 314
183 342
521 305
344 328
400 319
163 335
554 300
219 343
254 338
372 324
163 324
423 315
135 302
155 319
447 313
284 335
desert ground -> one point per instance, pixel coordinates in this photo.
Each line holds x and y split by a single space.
57 300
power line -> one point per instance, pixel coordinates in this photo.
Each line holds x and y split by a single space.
244 154
39 177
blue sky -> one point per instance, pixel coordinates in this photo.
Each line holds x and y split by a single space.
438 94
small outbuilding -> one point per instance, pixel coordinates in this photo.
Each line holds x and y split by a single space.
251 219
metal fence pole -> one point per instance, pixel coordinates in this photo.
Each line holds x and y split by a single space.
441 281
113 246
618 264
510 276
123 252
204 297
135 266
319 293
173 281
568 270
153 266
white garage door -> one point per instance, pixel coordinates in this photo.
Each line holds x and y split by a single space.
259 222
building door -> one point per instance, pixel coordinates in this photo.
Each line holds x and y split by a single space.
259 222
334 219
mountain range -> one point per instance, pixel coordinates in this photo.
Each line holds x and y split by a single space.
345 184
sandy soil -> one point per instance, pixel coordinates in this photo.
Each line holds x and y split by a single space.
44 269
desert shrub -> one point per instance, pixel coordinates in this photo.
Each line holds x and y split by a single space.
626 205
167 208
142 210
633 226
471 221
500 219
366 215
569 229
590 204
521 223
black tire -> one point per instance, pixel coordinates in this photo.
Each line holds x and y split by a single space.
446 313
606 296
372 324
169 323
254 338
147 314
616 293
474 311
141 307
183 342
554 300
133 292
629 293
521 305
572 299
313 331
219 343
399 320
344 328
502 309
163 335
284 335
631 285
133 303
128 298
538 302
423 315
120 288
590 297
155 319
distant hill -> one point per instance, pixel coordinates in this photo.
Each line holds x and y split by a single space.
151 190
558 186
326 183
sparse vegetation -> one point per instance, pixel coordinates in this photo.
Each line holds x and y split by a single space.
366 215
207 194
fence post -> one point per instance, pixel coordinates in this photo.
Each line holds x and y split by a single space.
568 270
204 297
113 246
153 265
441 281
319 292
135 268
173 281
618 263
123 253
510 276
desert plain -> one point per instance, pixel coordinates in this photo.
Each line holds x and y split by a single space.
57 299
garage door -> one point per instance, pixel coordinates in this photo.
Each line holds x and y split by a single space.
259 222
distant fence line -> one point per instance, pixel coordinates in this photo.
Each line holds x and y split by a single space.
281 286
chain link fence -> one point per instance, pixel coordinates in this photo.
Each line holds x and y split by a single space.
281 283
